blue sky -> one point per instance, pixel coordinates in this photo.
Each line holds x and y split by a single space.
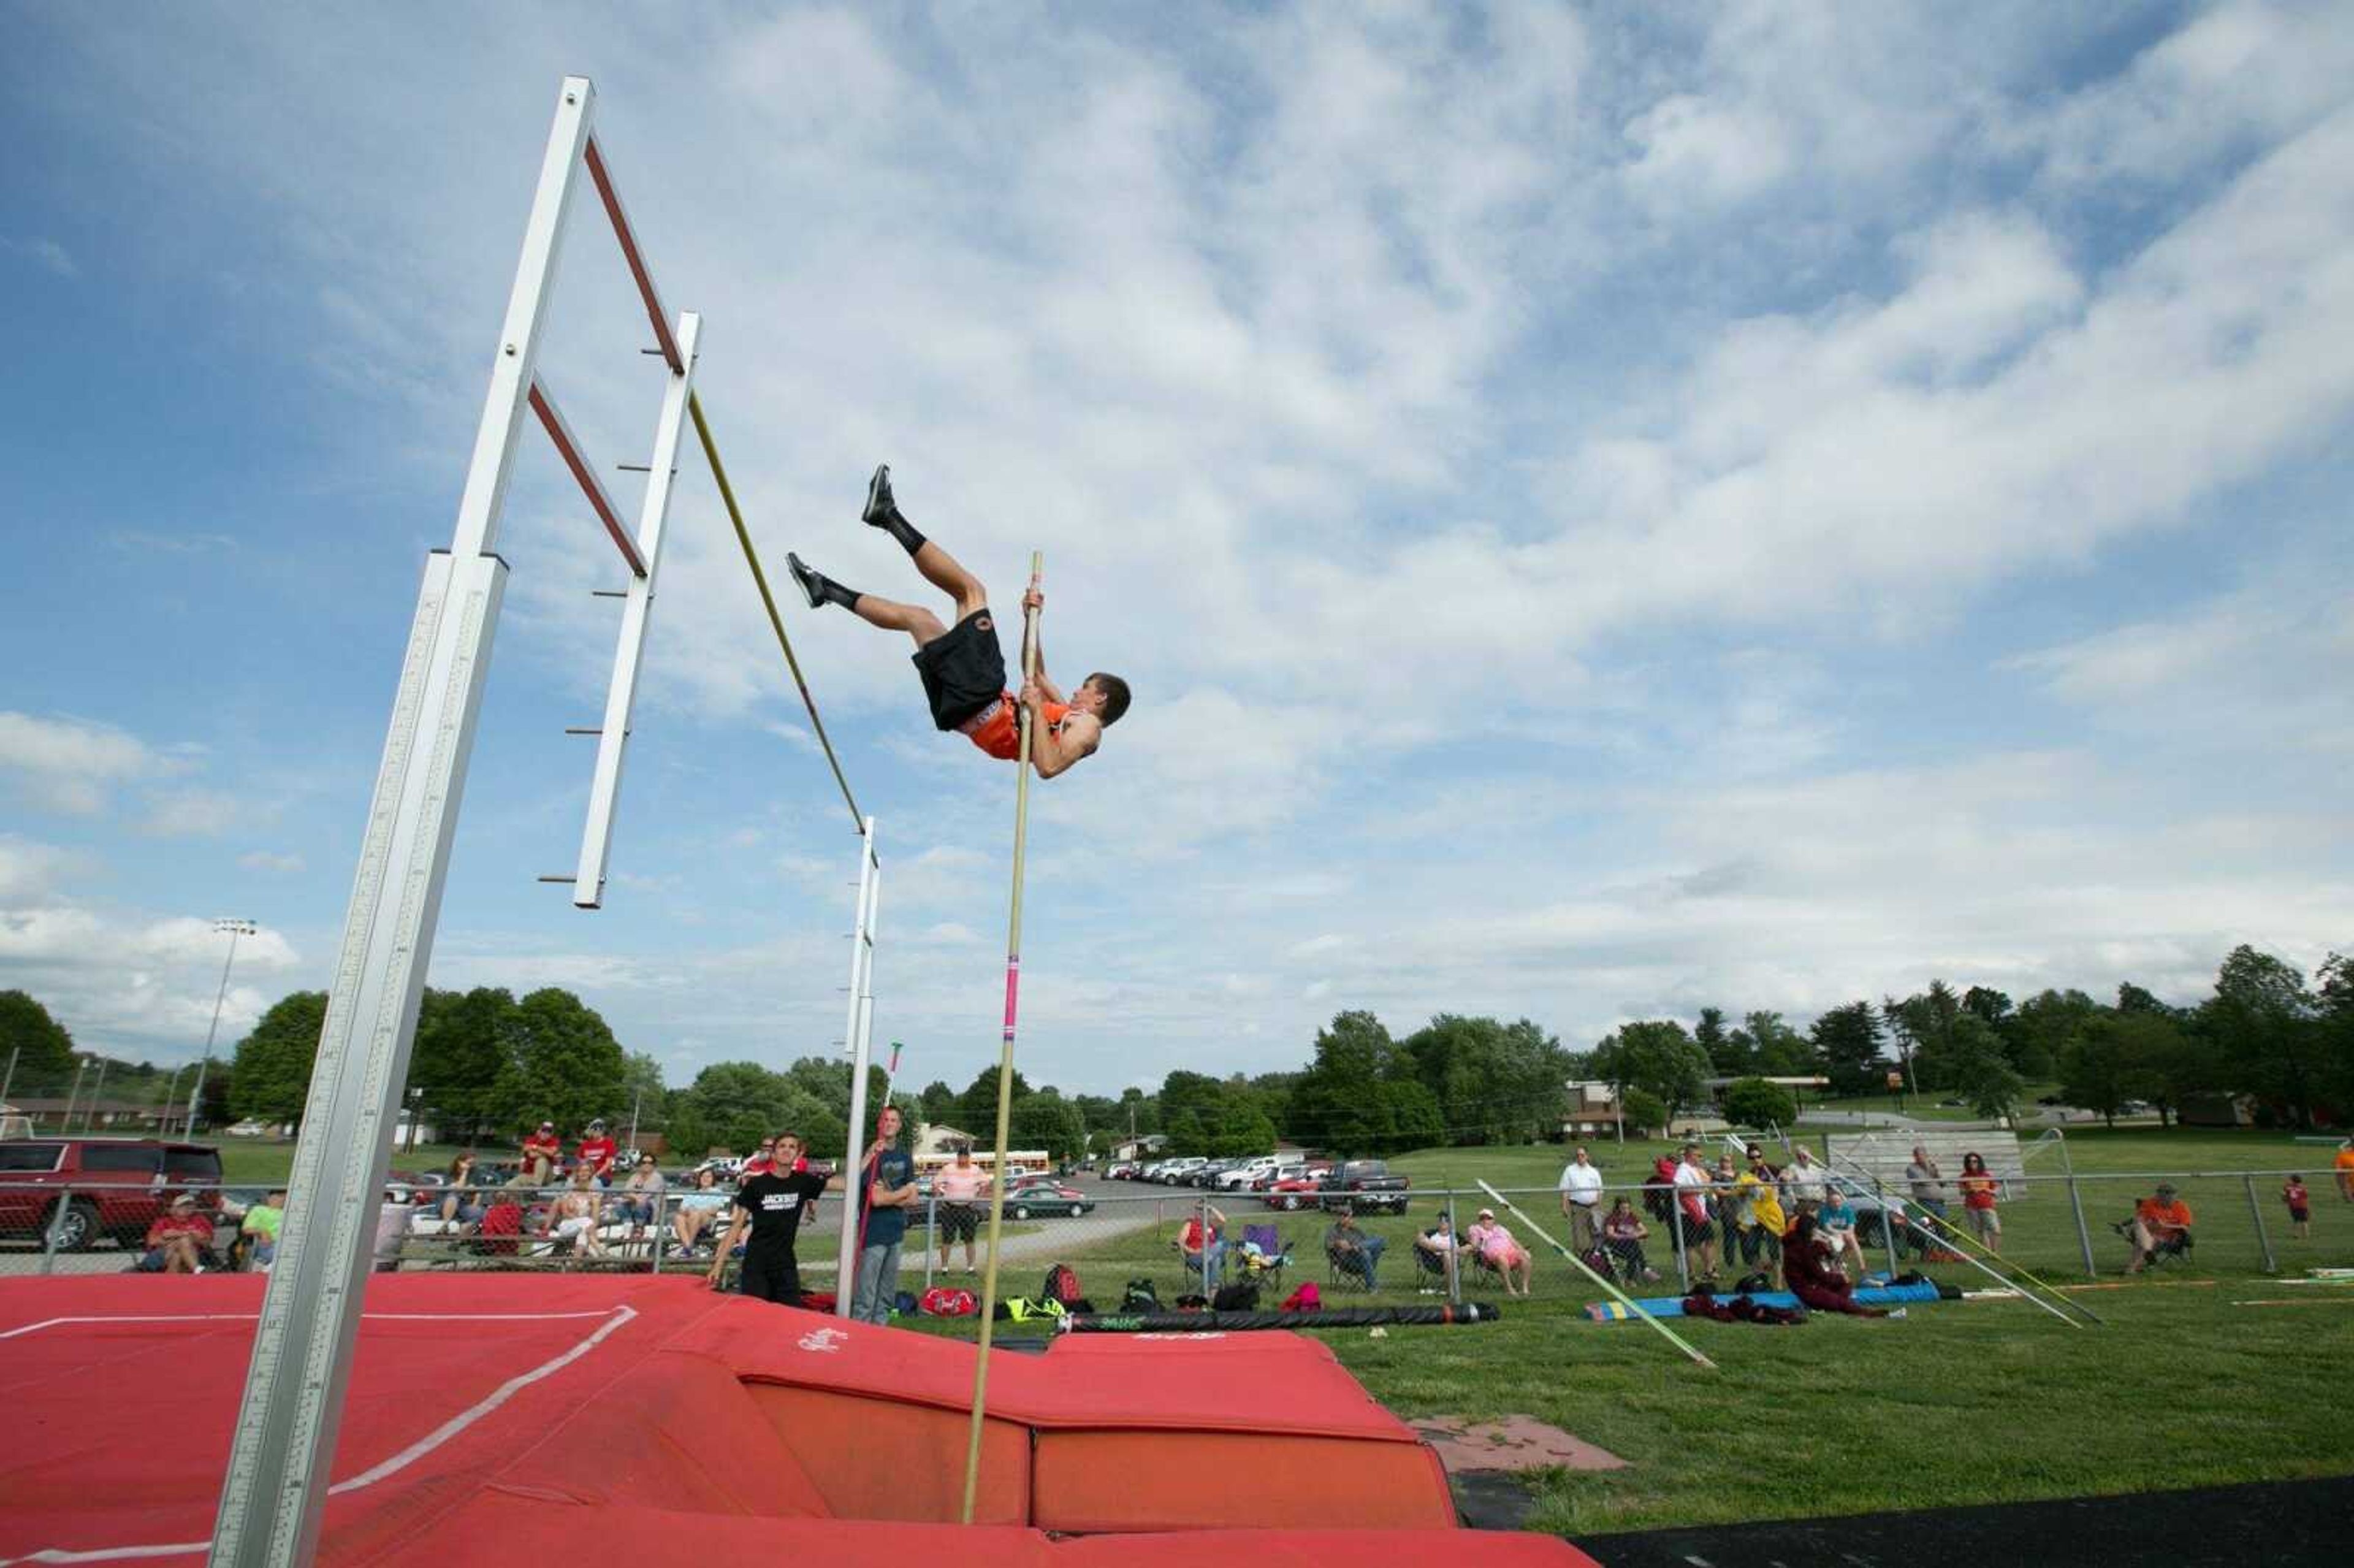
1752 505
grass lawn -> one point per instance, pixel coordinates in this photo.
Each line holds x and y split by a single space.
1920 1108
1959 1403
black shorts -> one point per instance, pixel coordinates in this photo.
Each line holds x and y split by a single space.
1697 1231
959 1222
777 1279
963 669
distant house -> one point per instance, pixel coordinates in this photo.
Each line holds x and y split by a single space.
1593 1111
936 1145
1143 1148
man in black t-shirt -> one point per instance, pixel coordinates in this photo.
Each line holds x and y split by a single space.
770 1206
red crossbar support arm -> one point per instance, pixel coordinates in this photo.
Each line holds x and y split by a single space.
611 197
561 434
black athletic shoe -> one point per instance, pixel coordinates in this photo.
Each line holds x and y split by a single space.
880 508
812 583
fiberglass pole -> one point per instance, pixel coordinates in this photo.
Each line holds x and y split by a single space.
1005 1056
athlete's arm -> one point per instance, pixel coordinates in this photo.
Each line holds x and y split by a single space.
1035 599
1052 753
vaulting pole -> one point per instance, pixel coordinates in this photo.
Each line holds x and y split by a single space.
1006 1055
1621 1297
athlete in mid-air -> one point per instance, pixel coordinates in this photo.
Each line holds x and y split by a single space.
962 666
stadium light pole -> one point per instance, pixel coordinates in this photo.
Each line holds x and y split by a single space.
235 929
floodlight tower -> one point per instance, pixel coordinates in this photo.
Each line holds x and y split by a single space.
234 928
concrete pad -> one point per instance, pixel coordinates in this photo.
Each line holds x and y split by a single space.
1515 1443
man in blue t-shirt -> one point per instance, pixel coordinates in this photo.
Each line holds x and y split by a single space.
886 1188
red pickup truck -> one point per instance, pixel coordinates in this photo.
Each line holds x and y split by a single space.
94 1187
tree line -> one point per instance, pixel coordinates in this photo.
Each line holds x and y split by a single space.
488 1064
2265 1032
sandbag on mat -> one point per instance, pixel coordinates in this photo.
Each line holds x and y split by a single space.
1239 1322
1673 1306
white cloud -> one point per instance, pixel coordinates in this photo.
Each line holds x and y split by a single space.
196 814
29 870
72 765
280 863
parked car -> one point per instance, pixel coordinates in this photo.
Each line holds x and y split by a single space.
1238 1177
96 1186
1296 1191
1120 1170
1175 1171
1363 1186
1043 1195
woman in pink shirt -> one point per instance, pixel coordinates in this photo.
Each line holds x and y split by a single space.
1497 1249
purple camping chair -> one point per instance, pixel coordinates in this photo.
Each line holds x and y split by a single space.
1265 1268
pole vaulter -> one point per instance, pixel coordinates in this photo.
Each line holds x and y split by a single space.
1032 606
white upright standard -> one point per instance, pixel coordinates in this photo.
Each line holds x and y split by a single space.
273 1497
858 1040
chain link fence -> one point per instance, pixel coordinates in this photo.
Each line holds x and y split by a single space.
1390 1249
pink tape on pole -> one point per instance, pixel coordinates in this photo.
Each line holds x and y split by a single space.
1013 989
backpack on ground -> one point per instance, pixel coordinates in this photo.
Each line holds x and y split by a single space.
1307 1298
1235 1298
1062 1284
1141 1297
940 1301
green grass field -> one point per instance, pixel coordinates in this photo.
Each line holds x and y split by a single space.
1965 1402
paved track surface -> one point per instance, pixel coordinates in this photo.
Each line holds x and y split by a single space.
2289 1523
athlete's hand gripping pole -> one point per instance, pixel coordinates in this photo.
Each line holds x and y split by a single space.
1005 1056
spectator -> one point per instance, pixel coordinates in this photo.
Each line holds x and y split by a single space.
2344 1164
542 1152
2300 1207
1813 1276
1623 1233
2160 1224
1658 1193
641 1195
1758 1213
260 1227
179 1240
1835 1229
959 1186
500 1228
1351 1250
1978 1190
1203 1246
769 1206
698 1209
1927 1183
1494 1247
598 1152
1803 1180
1581 1199
1443 1249
762 1161
393 1218
575 1214
887 1187
1692 1201
462 1203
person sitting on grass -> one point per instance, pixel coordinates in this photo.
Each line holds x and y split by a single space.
1835 1223
2161 1223
962 667
698 1210
1496 1249
1809 1268
1623 1232
1351 1250
179 1241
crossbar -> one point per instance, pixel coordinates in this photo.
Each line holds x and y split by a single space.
610 195
569 447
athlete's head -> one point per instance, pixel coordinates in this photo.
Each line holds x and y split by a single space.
886 1126
789 1149
1104 697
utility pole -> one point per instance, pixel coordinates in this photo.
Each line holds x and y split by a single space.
235 929
634 1104
9 1080
81 1067
89 1116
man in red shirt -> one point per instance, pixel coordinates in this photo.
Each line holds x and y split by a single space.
179 1240
542 1152
597 1152
2161 1223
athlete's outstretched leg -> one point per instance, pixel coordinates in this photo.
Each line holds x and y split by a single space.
939 569
873 609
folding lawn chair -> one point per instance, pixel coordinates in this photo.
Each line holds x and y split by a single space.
1264 1257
